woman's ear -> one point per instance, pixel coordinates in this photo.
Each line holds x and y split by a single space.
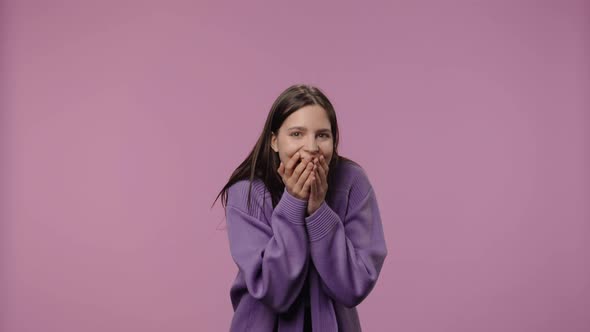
273 142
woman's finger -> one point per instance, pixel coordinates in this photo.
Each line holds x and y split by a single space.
312 189
299 169
291 164
281 171
303 177
324 163
316 182
307 186
322 173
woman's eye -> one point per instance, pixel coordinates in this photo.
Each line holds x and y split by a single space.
325 135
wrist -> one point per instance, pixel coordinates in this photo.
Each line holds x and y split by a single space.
310 210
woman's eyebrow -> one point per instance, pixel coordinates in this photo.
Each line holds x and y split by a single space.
305 129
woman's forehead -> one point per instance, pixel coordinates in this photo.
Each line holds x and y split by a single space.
311 117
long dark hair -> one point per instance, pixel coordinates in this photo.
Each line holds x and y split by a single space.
262 162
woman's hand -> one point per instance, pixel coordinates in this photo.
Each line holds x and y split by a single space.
319 185
298 180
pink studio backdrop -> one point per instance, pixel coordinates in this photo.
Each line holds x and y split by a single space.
121 121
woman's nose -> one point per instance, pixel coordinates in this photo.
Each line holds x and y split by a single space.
312 147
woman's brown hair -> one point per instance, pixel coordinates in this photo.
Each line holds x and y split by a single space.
263 162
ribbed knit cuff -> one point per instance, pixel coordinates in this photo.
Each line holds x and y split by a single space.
321 222
293 208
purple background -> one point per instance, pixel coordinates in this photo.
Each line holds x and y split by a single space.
121 120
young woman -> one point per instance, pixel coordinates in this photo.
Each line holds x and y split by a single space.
303 224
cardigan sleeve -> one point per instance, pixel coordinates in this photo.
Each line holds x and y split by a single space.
348 255
273 258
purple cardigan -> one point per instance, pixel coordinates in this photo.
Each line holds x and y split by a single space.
337 252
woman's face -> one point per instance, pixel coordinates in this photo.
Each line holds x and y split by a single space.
307 131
